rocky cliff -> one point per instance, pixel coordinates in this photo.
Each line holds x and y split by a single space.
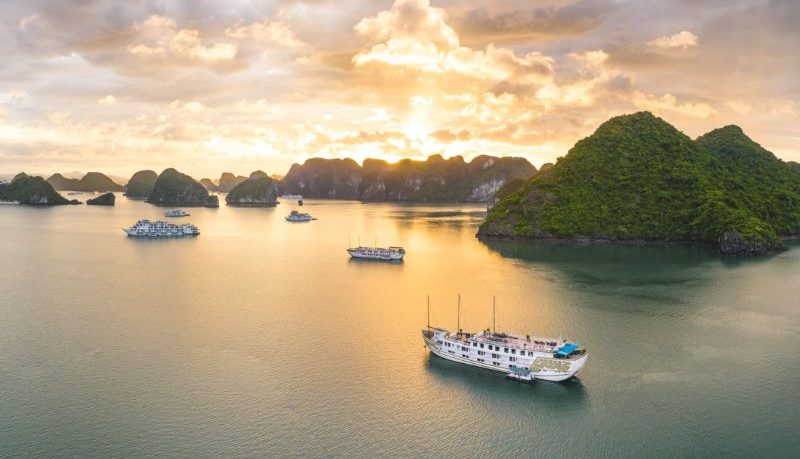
173 188
434 180
141 184
259 190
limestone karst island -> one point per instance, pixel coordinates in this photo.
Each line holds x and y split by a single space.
399 229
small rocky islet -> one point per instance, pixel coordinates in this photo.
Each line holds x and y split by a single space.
258 190
107 199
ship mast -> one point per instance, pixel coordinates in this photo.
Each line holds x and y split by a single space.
429 312
494 303
458 327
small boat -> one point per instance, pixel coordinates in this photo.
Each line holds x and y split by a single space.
295 216
176 213
378 253
153 229
74 193
292 196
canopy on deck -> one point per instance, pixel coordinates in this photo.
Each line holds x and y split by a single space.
566 349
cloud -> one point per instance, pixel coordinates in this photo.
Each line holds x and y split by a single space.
107 100
669 103
273 31
415 35
739 107
159 37
681 40
23 23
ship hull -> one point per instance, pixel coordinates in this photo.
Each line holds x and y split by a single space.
544 368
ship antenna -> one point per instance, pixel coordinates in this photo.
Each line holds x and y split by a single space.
429 312
458 327
494 302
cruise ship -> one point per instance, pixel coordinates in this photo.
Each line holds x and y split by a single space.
377 253
523 358
147 228
295 216
176 213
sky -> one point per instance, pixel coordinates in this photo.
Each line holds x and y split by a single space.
209 86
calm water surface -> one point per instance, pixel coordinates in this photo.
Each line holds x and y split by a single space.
261 338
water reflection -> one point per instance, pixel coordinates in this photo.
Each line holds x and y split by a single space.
492 387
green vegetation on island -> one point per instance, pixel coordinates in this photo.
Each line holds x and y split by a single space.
436 179
141 184
259 190
637 178
91 182
107 199
173 188
34 191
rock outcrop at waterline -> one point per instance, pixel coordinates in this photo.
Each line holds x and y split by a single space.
91 182
141 184
107 199
637 178
434 180
32 191
259 190
173 188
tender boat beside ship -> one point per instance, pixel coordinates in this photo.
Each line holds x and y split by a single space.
153 229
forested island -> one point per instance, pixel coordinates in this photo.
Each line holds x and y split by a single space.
638 178
34 191
258 190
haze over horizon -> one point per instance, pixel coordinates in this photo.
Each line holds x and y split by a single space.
206 87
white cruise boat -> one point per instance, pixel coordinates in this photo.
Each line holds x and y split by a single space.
295 216
524 358
291 196
147 228
377 253
176 213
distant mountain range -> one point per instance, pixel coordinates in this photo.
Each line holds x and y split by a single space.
434 180
637 178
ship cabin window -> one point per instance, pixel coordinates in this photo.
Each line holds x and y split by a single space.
495 356
475 344
511 366
497 364
465 356
481 345
512 359
481 352
480 360
513 351
505 350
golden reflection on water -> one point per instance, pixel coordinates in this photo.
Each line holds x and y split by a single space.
264 333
